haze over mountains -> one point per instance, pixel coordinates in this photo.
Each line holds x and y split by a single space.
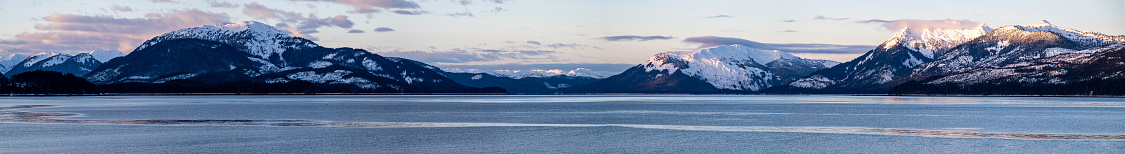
1033 56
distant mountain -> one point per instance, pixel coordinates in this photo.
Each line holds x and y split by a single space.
723 69
518 74
518 81
253 51
874 71
78 64
7 62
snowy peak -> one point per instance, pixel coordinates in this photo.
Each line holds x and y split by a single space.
1086 38
1041 23
38 58
252 37
673 60
931 41
105 55
734 67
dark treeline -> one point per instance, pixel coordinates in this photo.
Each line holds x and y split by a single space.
47 83
1090 87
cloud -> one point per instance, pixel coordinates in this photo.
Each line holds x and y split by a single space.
356 31
789 31
79 33
386 4
341 21
120 8
222 4
262 12
926 24
305 24
828 18
164 1
534 42
711 41
462 14
634 38
383 29
789 20
873 21
719 16
406 12
472 55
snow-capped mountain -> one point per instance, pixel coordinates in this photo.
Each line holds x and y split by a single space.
1095 71
7 62
258 52
894 58
106 55
536 81
78 64
732 68
1013 44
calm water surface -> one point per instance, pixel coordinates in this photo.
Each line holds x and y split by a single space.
561 124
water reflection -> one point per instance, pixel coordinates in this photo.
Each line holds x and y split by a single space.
9 114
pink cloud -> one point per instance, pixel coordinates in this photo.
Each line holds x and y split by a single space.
75 33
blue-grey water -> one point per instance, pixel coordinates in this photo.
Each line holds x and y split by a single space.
561 124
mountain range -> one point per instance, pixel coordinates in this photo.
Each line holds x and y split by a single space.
253 51
723 69
972 60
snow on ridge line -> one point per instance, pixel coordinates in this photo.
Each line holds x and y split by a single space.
929 41
725 67
254 37
1098 39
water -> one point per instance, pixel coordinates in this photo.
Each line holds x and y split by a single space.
561 124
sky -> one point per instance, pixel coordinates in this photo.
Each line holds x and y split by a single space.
604 35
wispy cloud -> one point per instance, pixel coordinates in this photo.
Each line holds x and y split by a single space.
221 4
75 33
120 8
719 16
383 29
789 31
925 24
386 4
408 12
828 18
165 1
711 41
634 38
789 20
473 55
305 24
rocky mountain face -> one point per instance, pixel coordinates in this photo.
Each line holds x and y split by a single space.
1096 71
723 69
874 71
253 51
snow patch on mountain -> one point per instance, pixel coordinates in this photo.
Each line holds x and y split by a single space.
38 58
732 67
106 55
1088 38
253 37
932 41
